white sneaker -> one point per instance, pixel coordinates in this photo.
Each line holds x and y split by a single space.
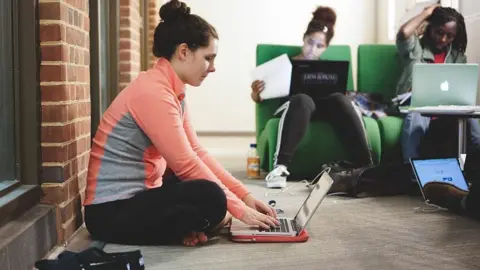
277 178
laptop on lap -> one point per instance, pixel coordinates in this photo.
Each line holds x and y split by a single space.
319 78
444 88
290 229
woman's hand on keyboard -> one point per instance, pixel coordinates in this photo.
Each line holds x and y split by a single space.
255 218
260 206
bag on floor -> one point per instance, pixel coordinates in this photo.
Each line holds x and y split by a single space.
369 180
94 259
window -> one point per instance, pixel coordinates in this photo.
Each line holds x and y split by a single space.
19 108
391 19
104 39
7 96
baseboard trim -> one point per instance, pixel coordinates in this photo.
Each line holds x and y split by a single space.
28 238
226 133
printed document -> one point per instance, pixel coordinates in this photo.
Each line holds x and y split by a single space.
276 74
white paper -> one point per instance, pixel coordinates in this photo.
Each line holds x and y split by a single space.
276 74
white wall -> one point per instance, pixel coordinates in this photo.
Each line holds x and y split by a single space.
391 14
471 12
222 103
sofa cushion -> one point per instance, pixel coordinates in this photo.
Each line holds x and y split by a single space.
378 69
320 145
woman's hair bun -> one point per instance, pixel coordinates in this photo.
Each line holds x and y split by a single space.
325 15
173 11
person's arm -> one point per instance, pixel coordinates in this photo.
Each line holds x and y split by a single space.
223 175
159 117
406 34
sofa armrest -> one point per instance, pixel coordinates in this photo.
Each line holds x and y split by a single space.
263 112
390 130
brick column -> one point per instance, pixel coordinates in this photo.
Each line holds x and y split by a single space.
65 91
153 20
130 27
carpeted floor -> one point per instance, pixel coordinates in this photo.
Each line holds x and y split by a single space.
373 233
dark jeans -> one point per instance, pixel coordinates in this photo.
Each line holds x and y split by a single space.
163 215
436 138
472 202
472 174
337 109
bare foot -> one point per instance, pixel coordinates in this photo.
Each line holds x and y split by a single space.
194 238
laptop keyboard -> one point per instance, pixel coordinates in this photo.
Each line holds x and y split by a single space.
283 227
452 108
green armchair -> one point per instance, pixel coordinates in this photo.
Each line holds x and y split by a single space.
320 144
379 68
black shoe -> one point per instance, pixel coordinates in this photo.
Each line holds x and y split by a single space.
445 195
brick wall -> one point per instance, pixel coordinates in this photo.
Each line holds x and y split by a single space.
130 50
65 92
153 20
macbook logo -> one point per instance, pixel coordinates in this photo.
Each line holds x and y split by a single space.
444 86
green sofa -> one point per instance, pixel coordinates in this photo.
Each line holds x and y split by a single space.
378 69
320 144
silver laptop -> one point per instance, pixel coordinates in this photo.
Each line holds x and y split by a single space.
444 87
292 226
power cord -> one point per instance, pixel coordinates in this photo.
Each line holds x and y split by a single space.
431 208
310 185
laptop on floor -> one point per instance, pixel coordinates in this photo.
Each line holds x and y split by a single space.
319 78
444 170
291 229
444 88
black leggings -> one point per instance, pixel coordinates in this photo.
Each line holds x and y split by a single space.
337 109
159 216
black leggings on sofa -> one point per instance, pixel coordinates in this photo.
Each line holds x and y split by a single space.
158 216
337 109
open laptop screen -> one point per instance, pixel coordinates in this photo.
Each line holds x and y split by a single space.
440 170
316 196
319 78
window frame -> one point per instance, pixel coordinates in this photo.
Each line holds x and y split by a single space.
144 36
27 61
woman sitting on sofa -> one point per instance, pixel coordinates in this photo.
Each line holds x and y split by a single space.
299 109
444 41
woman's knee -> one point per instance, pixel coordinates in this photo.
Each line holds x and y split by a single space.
416 121
213 200
302 101
340 100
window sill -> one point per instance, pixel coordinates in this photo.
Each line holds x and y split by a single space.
16 199
28 238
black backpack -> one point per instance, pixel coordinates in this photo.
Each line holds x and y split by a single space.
383 179
94 259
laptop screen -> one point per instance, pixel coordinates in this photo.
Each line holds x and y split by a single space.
319 78
316 196
440 170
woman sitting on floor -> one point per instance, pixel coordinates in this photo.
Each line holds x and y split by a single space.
129 199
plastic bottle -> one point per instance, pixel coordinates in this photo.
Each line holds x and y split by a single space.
253 162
